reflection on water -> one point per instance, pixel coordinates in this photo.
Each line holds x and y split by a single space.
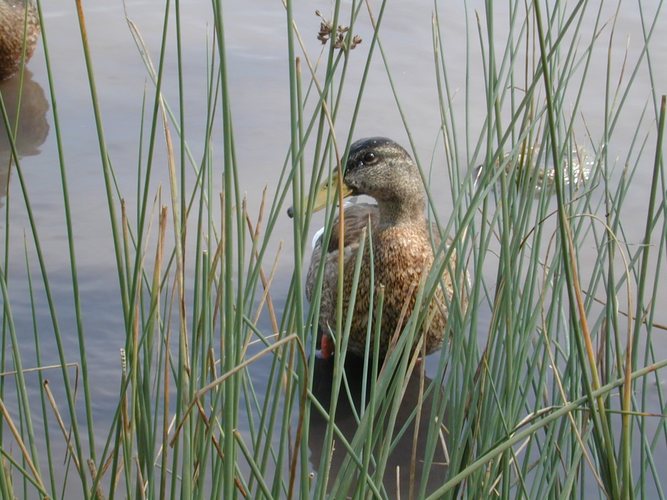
26 108
397 471
575 169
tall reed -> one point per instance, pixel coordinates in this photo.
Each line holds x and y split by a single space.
545 384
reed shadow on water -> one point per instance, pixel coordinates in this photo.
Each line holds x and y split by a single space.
397 473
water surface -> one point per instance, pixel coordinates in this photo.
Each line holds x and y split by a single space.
257 58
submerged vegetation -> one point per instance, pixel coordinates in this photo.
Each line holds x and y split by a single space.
550 381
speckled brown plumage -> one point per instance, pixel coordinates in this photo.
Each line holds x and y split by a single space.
402 248
12 31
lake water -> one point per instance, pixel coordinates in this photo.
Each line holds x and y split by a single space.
257 52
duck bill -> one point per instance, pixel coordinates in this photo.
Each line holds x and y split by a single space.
326 194
328 190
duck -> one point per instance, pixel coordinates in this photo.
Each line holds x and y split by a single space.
403 243
13 30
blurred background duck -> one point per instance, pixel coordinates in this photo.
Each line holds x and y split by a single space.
19 22
402 250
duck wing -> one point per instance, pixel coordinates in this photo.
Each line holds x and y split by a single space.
356 219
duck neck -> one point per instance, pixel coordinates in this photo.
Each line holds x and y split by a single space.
398 212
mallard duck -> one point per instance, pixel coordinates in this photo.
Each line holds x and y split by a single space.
13 27
401 242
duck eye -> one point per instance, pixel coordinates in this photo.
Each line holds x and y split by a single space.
369 158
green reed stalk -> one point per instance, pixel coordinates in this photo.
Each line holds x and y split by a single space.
522 393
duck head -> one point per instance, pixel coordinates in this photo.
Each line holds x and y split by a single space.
380 168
